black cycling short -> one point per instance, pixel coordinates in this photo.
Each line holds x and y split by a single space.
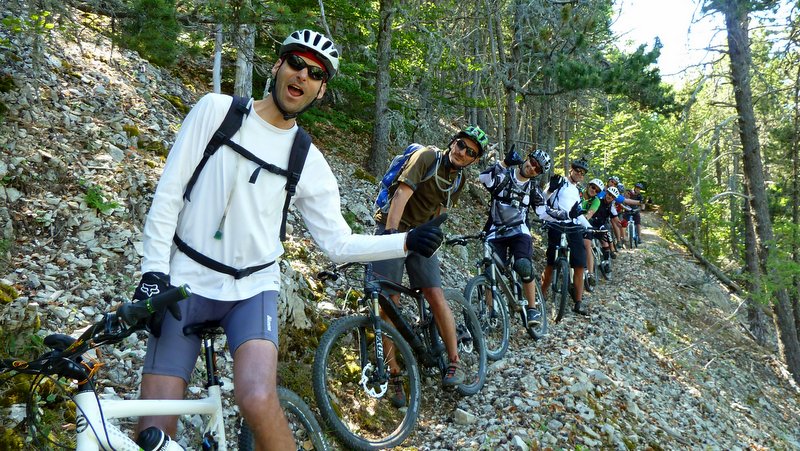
577 252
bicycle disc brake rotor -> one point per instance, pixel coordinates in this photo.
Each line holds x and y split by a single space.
369 388
465 341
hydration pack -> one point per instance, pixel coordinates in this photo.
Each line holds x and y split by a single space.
397 165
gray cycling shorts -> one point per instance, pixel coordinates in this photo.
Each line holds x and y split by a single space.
422 272
175 354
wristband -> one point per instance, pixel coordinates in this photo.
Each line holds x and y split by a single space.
390 232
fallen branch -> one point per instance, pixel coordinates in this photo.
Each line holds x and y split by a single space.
711 267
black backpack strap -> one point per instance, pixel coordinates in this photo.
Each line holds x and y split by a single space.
210 263
297 159
230 125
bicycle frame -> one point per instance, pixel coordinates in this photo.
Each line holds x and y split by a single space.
429 356
95 432
493 268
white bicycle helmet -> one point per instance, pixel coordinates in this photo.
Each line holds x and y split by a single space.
613 191
542 158
311 40
598 183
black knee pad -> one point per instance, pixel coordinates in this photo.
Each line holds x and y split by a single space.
524 268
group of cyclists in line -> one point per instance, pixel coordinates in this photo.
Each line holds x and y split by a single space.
595 206
232 226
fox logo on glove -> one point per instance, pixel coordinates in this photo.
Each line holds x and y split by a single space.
149 289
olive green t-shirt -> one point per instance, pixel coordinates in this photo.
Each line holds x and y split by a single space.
429 195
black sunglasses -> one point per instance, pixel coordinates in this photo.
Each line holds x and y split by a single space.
298 63
472 153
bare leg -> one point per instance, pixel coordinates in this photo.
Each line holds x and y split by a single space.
444 320
589 255
530 293
546 276
577 280
255 367
156 386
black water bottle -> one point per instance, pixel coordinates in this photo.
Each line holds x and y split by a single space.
154 439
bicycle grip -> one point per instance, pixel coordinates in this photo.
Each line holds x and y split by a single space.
132 313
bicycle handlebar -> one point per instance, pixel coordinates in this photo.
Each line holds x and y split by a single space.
64 357
461 240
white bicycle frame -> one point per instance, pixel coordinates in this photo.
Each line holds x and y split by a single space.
95 432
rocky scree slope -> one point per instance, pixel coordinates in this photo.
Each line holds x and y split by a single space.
663 361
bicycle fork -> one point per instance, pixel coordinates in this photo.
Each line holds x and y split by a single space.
407 332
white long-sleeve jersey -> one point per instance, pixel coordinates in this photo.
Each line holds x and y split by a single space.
250 232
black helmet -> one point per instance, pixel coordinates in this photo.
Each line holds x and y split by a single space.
580 164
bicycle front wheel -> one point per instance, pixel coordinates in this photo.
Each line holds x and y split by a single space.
360 405
471 343
494 320
560 288
631 233
303 424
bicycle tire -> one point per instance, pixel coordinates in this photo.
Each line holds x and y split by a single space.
496 331
471 350
360 420
561 280
539 331
631 232
303 424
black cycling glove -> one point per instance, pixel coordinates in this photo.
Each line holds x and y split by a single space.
426 238
512 158
154 283
555 181
575 211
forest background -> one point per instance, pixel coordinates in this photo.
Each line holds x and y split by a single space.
719 153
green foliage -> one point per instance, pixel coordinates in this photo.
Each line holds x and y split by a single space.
177 103
40 23
352 221
630 75
7 292
95 198
152 29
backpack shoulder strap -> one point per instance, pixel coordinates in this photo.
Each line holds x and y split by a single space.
230 125
297 159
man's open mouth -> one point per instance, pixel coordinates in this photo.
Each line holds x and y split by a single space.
295 91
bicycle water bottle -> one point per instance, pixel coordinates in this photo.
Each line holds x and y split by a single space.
154 439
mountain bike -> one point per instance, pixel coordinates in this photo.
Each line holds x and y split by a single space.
600 265
561 286
351 375
494 292
90 419
633 236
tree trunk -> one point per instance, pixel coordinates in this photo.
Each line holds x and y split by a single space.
756 318
217 70
379 152
736 21
795 199
243 86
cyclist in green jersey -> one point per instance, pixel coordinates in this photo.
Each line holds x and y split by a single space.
590 203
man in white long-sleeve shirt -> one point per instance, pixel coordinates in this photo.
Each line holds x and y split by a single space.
563 194
230 227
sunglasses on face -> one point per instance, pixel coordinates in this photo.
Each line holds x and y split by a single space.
535 164
579 171
298 63
472 153
594 188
